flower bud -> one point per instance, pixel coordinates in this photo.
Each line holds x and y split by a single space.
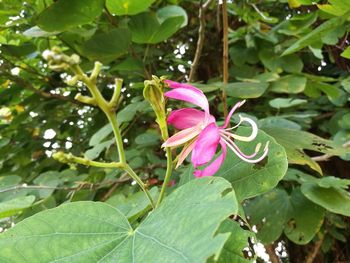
153 93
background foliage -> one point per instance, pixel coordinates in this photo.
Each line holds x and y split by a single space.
289 58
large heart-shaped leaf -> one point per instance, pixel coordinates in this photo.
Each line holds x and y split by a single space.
296 141
134 205
305 219
252 179
290 84
269 213
107 46
238 242
149 28
246 90
333 199
65 14
182 229
127 7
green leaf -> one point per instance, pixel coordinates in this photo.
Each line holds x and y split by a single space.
100 135
35 31
279 103
65 14
344 121
346 53
107 46
336 7
315 35
269 213
325 182
333 92
181 230
187 175
295 142
270 122
290 84
14 206
332 37
95 151
246 90
128 7
148 28
331 181
305 219
238 241
147 139
9 182
130 64
136 204
259 177
298 3
333 199
172 11
50 178
299 176
128 113
275 63
341 137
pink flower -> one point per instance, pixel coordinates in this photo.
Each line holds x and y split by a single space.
200 135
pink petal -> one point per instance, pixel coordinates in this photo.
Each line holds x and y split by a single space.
206 145
187 117
189 95
182 137
175 85
185 152
215 165
228 118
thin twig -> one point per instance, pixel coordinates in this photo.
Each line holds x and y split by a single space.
107 195
82 185
326 156
271 252
200 41
26 68
225 55
110 17
313 253
27 85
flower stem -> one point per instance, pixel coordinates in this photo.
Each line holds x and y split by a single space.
167 176
169 158
134 176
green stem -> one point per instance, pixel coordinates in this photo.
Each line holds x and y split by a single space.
70 158
167 176
109 111
118 138
165 136
134 176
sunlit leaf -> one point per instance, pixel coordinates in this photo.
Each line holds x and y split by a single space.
65 14
87 231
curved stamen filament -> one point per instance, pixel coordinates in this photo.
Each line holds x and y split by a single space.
243 157
229 141
249 138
